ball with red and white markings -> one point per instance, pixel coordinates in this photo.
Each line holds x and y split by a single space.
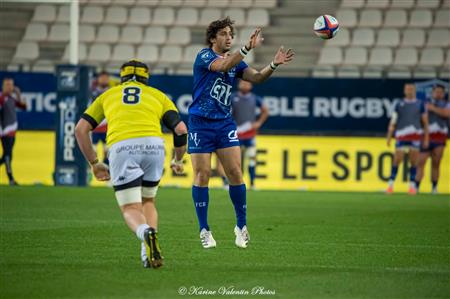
326 26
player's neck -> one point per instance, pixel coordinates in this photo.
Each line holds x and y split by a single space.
218 51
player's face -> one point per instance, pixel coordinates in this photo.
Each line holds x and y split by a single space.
103 81
223 40
438 93
8 86
410 91
245 86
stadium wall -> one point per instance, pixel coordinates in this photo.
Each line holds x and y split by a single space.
284 163
296 105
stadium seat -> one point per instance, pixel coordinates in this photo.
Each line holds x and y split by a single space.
330 56
388 37
35 32
413 37
241 3
163 16
377 3
151 3
82 52
99 53
179 36
352 3
218 3
63 14
92 15
323 72
43 66
208 15
190 52
59 33
355 56
429 73
139 16
402 3
429 3
186 17
420 18
26 51
395 18
438 38
147 53
348 72
399 73
405 57
96 2
171 54
442 19
86 33
363 37
172 3
431 57
372 72
122 53
114 3
195 3
44 13
108 34
347 17
258 17
116 15
341 39
237 15
155 35
370 18
131 35
381 56
264 3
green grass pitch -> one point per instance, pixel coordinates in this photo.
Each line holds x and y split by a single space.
73 243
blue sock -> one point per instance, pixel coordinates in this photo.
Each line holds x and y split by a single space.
417 185
434 183
394 171
252 173
412 174
239 198
201 200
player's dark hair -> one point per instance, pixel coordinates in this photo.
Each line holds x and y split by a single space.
8 78
438 86
215 26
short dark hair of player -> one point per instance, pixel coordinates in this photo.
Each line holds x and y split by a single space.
215 26
134 70
439 86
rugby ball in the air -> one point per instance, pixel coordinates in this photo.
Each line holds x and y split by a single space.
326 26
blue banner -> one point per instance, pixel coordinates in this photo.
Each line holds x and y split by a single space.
296 105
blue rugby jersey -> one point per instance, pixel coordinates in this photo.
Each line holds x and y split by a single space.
212 90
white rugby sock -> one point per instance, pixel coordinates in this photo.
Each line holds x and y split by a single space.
140 231
143 252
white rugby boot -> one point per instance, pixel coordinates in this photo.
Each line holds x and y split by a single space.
207 239
242 236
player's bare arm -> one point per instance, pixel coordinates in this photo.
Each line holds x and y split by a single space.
426 135
82 131
443 112
262 118
222 43
281 57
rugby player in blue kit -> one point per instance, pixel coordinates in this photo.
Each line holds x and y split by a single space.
211 127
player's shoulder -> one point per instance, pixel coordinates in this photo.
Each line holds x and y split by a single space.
205 54
153 91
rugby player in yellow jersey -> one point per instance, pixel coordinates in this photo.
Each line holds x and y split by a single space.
134 112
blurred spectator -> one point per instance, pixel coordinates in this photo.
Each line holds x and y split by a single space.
438 116
245 106
10 98
102 84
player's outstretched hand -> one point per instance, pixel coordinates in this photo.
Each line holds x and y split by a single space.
101 171
177 166
255 39
283 57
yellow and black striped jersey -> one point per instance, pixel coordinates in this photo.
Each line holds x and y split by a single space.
132 110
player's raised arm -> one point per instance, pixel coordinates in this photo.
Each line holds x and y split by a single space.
281 57
391 127
223 41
